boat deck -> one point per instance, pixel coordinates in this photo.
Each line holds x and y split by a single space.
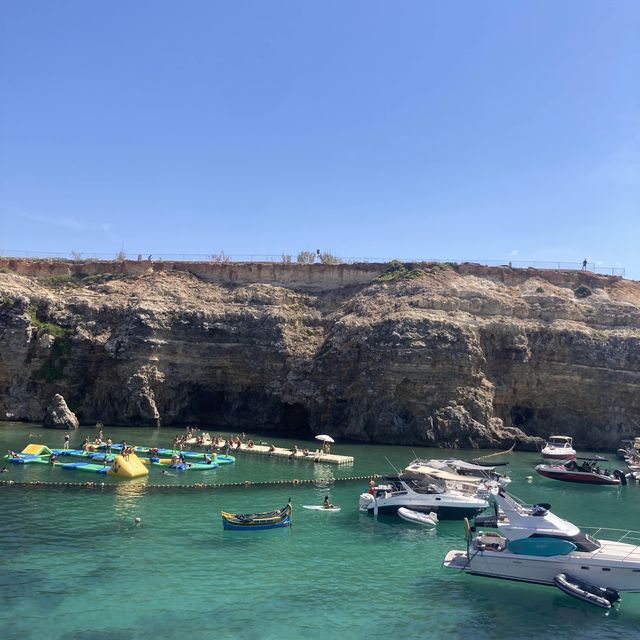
280 452
618 551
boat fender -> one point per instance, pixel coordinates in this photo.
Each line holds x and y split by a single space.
620 474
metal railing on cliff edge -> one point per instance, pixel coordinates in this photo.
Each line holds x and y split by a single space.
593 267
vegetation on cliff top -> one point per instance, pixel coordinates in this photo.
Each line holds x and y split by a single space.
405 271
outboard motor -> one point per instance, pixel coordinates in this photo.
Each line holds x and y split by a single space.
621 475
366 500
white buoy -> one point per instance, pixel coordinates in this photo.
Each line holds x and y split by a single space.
529 478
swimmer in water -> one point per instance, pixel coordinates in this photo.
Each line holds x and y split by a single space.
33 435
166 473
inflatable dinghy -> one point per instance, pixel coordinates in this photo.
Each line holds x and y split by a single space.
425 519
598 596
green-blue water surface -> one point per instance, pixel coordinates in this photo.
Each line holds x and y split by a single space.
73 564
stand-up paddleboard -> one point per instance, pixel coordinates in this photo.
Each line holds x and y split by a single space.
318 507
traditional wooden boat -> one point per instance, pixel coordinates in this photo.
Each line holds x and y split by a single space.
257 521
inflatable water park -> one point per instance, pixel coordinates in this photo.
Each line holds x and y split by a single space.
118 460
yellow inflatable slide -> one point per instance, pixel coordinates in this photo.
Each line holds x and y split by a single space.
129 466
37 449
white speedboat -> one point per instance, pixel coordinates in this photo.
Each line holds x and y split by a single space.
534 545
559 448
422 495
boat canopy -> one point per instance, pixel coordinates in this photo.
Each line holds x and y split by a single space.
418 469
468 466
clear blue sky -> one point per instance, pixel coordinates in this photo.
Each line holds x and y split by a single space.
494 130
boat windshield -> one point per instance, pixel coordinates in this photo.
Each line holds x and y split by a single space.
559 441
426 487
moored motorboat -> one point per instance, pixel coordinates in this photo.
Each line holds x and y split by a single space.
587 472
558 448
461 469
424 519
424 495
526 548
257 521
629 448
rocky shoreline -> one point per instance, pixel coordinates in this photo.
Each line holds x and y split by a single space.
433 355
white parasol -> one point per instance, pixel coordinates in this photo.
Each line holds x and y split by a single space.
325 438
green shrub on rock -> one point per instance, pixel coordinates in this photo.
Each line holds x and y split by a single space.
399 271
582 291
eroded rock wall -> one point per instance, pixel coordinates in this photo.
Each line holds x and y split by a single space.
465 356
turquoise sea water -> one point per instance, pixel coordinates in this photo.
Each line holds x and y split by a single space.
74 566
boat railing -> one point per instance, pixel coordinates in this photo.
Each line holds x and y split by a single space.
628 536
623 534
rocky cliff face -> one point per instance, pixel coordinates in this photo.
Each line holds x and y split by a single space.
460 357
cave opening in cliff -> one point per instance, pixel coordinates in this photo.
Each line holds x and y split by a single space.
294 418
207 404
520 416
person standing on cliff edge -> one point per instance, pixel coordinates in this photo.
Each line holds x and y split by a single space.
584 264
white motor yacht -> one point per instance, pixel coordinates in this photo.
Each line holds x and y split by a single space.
422 495
559 448
534 545
466 471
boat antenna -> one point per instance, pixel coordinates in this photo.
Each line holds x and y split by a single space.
389 461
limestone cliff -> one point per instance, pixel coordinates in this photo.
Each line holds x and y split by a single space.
452 356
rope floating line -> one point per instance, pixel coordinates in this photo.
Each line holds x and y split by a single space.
181 487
